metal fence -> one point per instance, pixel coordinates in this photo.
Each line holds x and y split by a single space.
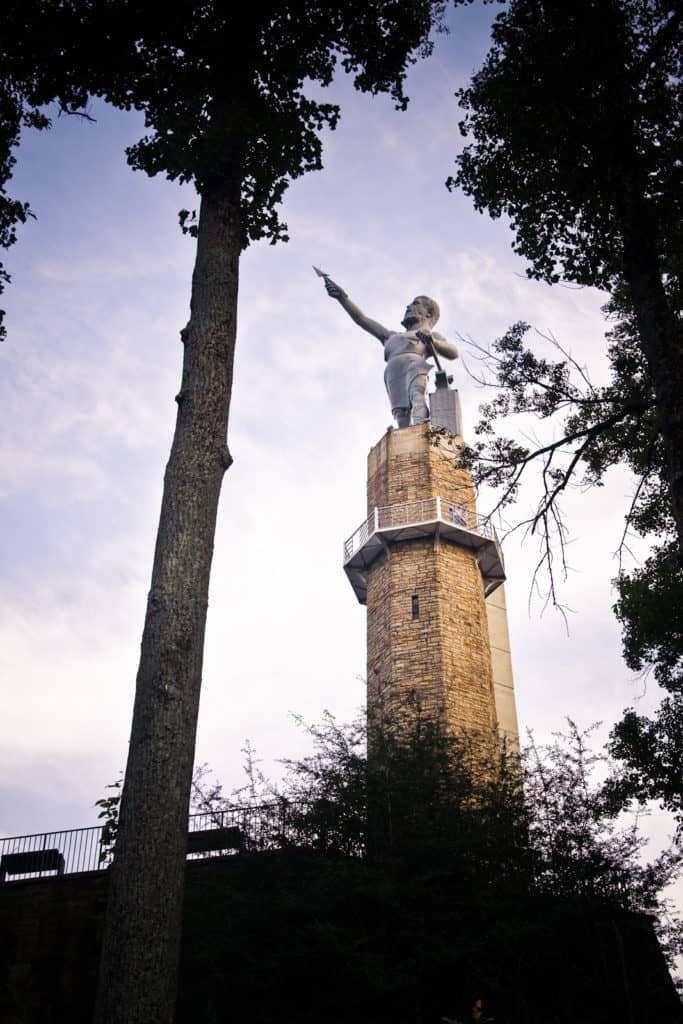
50 853
247 827
359 538
214 833
320 825
412 513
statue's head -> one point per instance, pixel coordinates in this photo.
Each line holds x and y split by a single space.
422 309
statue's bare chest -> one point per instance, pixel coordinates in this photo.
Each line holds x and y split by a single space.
403 344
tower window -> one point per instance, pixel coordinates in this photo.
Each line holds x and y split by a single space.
416 606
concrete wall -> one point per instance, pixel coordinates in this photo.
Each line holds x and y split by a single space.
300 939
501 664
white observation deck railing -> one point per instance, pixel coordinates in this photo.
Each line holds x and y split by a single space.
413 513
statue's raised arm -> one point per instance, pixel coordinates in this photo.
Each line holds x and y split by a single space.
405 352
357 315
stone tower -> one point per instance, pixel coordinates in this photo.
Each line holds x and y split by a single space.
430 571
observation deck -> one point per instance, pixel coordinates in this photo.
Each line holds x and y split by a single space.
415 520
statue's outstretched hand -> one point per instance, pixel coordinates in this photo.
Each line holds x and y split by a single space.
356 314
333 289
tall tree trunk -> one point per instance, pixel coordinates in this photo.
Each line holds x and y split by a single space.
138 969
659 326
661 337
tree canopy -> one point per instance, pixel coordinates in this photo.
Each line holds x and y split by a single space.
576 106
574 127
416 884
224 94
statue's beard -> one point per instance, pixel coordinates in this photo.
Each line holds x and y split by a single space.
410 321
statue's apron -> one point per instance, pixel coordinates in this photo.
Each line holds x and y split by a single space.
405 359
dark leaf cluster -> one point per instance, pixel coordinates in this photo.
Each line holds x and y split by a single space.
651 751
574 129
579 844
25 87
573 101
593 429
425 814
597 428
223 90
546 823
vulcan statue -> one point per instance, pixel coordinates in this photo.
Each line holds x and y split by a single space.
405 352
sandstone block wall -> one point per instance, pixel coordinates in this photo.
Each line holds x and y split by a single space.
438 661
406 466
428 632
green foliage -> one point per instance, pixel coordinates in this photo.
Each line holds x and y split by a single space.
329 788
649 608
418 873
223 91
596 428
219 110
420 882
653 753
580 845
573 102
34 40
574 125
593 429
110 813
553 823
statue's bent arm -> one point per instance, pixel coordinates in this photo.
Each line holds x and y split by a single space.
356 314
445 348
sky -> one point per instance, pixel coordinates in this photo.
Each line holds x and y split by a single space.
90 368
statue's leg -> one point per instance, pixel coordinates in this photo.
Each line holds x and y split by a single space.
402 416
418 398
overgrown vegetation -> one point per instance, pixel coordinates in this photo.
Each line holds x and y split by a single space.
417 880
573 129
551 822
